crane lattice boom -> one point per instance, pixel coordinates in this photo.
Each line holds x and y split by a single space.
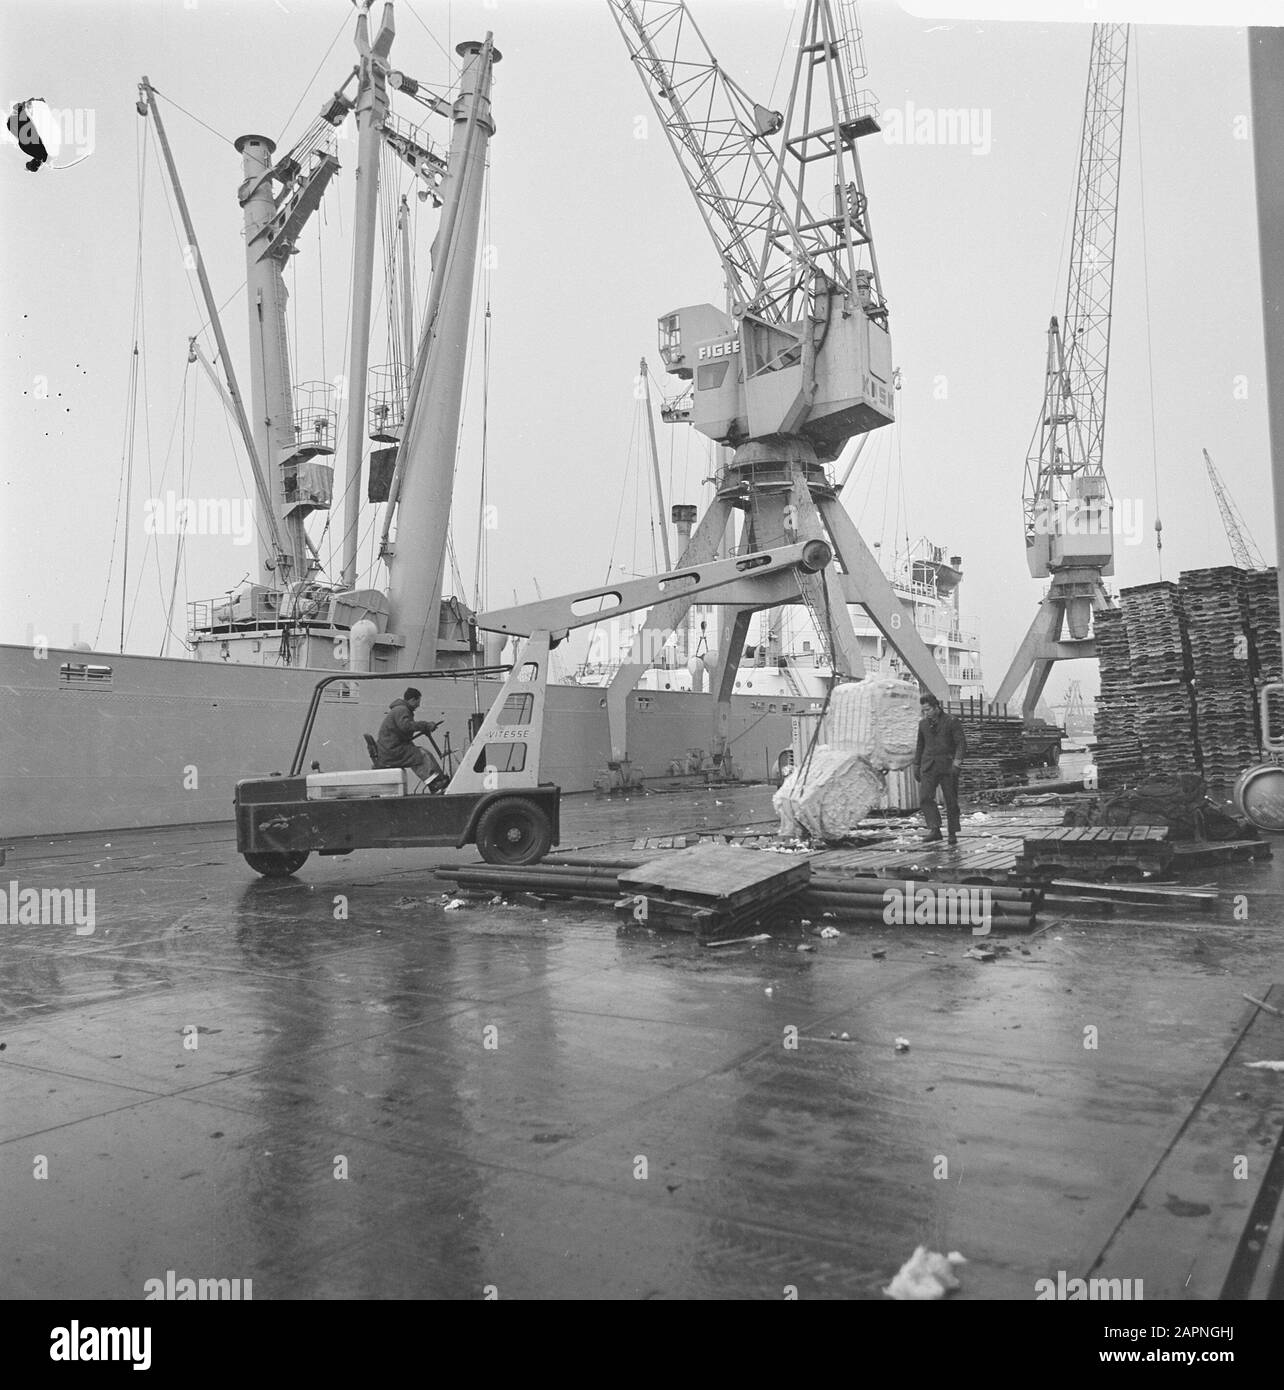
753 195
1243 547
1069 442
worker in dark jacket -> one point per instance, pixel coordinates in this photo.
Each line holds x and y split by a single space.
397 747
937 760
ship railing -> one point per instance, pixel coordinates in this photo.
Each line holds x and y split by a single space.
219 614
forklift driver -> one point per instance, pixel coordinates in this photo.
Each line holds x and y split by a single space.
397 747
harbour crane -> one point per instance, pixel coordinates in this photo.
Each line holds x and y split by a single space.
1068 510
1243 546
801 361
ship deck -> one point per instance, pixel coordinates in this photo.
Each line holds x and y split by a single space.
228 1078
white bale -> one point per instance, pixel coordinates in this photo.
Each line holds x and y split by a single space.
783 804
877 718
829 797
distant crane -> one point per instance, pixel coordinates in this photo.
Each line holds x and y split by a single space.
1074 711
802 362
1243 546
1068 522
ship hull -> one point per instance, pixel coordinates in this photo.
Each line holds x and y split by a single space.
163 741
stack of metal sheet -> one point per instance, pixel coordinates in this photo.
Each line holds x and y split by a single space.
1159 659
1118 750
1217 623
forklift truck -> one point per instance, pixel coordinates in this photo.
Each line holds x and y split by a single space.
280 821
495 798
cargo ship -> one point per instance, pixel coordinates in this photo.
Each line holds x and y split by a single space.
97 740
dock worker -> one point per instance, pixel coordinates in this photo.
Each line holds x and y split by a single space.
397 746
937 760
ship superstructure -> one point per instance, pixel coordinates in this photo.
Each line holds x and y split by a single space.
786 661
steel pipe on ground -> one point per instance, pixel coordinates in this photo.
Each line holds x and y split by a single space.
837 903
876 887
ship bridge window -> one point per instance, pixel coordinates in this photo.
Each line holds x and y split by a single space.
79 675
501 757
517 710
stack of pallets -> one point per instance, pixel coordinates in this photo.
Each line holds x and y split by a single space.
1155 622
1263 600
1159 659
1262 596
1118 750
995 749
1217 621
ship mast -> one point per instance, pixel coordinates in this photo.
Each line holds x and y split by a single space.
371 110
272 226
424 480
272 553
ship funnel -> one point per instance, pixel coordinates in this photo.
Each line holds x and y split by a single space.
684 516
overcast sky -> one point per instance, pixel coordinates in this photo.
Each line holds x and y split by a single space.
594 237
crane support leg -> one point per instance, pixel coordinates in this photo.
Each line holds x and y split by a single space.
660 622
867 585
1039 673
824 592
1043 643
735 634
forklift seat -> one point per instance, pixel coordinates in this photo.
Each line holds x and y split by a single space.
434 786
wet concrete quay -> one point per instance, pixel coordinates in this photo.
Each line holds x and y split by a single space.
228 1078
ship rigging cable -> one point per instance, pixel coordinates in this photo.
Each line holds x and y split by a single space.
131 397
1145 279
304 94
157 91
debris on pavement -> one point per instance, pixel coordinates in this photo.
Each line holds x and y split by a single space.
926 1274
979 953
902 1044
828 932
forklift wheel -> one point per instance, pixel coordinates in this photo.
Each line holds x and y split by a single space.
277 865
514 831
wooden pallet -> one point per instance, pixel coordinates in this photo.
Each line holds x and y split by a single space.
1097 849
709 889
